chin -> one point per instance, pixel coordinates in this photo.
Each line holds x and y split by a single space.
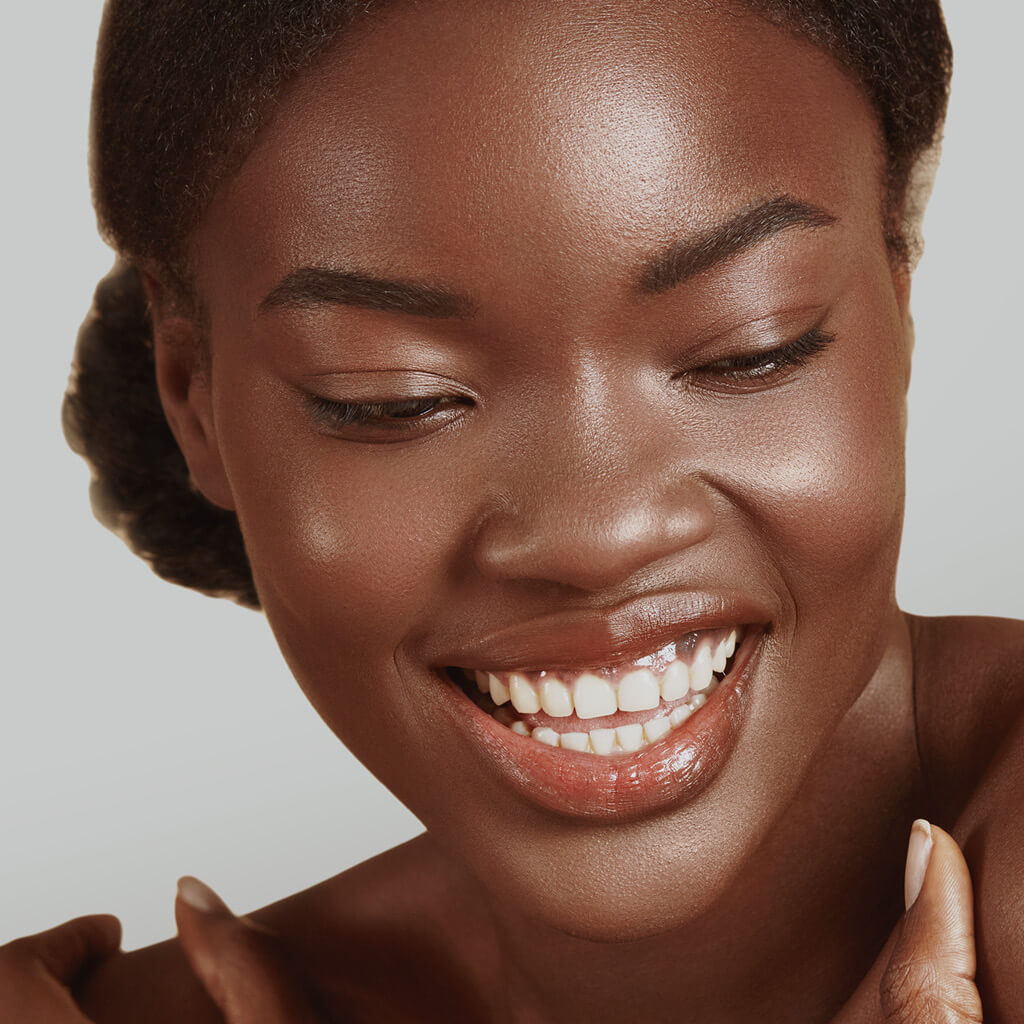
622 906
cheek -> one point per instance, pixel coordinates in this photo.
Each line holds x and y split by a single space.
821 495
821 478
833 493
348 549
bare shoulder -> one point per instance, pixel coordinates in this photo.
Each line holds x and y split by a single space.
377 942
970 682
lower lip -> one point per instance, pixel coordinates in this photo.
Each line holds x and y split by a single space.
620 786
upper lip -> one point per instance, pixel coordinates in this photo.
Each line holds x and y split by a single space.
577 639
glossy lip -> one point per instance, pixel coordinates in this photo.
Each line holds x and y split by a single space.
624 786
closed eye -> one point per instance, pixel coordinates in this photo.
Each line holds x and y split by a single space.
380 422
757 370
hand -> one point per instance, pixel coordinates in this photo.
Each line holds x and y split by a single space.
925 973
240 963
38 971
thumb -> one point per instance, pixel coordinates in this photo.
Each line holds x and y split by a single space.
69 949
240 963
38 972
930 975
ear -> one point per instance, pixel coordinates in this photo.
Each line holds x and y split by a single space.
902 281
183 381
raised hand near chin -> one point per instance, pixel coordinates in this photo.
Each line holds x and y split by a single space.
239 962
925 973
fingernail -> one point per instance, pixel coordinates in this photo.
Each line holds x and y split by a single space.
919 852
200 896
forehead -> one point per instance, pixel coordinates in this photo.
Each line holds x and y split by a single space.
560 139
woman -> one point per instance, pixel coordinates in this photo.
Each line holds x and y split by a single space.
583 324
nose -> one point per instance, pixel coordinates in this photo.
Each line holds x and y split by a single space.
591 505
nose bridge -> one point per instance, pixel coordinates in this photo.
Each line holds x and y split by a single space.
592 497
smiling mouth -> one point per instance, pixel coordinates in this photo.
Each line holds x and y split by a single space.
613 710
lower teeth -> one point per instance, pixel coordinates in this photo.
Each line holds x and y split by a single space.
624 739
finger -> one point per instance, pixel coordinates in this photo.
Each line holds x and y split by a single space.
930 975
66 951
37 971
239 963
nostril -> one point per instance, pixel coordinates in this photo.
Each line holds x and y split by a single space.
596 547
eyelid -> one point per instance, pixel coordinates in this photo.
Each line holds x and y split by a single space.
759 370
773 329
354 411
370 423
805 346
367 386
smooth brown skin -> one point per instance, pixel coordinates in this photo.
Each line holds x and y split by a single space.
925 972
534 157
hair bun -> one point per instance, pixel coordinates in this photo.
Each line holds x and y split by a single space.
141 488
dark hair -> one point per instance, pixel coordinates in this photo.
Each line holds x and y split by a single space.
181 92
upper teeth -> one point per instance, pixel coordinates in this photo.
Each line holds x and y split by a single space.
597 694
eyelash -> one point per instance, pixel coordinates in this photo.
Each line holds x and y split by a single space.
760 368
409 415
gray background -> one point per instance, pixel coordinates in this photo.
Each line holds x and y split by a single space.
146 732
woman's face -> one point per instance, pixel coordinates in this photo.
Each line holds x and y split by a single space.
601 219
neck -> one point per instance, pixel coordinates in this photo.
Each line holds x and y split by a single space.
800 927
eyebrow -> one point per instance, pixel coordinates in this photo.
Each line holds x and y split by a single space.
310 287
685 259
